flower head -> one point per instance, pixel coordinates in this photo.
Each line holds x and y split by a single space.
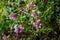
35 14
18 28
31 5
12 16
36 24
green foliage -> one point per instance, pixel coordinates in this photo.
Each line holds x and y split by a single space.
18 6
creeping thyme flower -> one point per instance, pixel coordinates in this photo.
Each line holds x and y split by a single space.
36 24
35 13
18 28
31 5
12 16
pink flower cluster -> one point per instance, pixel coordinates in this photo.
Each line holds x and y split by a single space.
31 5
37 24
12 16
18 28
35 14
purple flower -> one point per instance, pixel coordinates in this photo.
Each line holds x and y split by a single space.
12 16
31 5
35 14
18 28
36 24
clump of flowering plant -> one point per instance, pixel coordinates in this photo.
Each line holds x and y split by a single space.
37 17
22 15
22 18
